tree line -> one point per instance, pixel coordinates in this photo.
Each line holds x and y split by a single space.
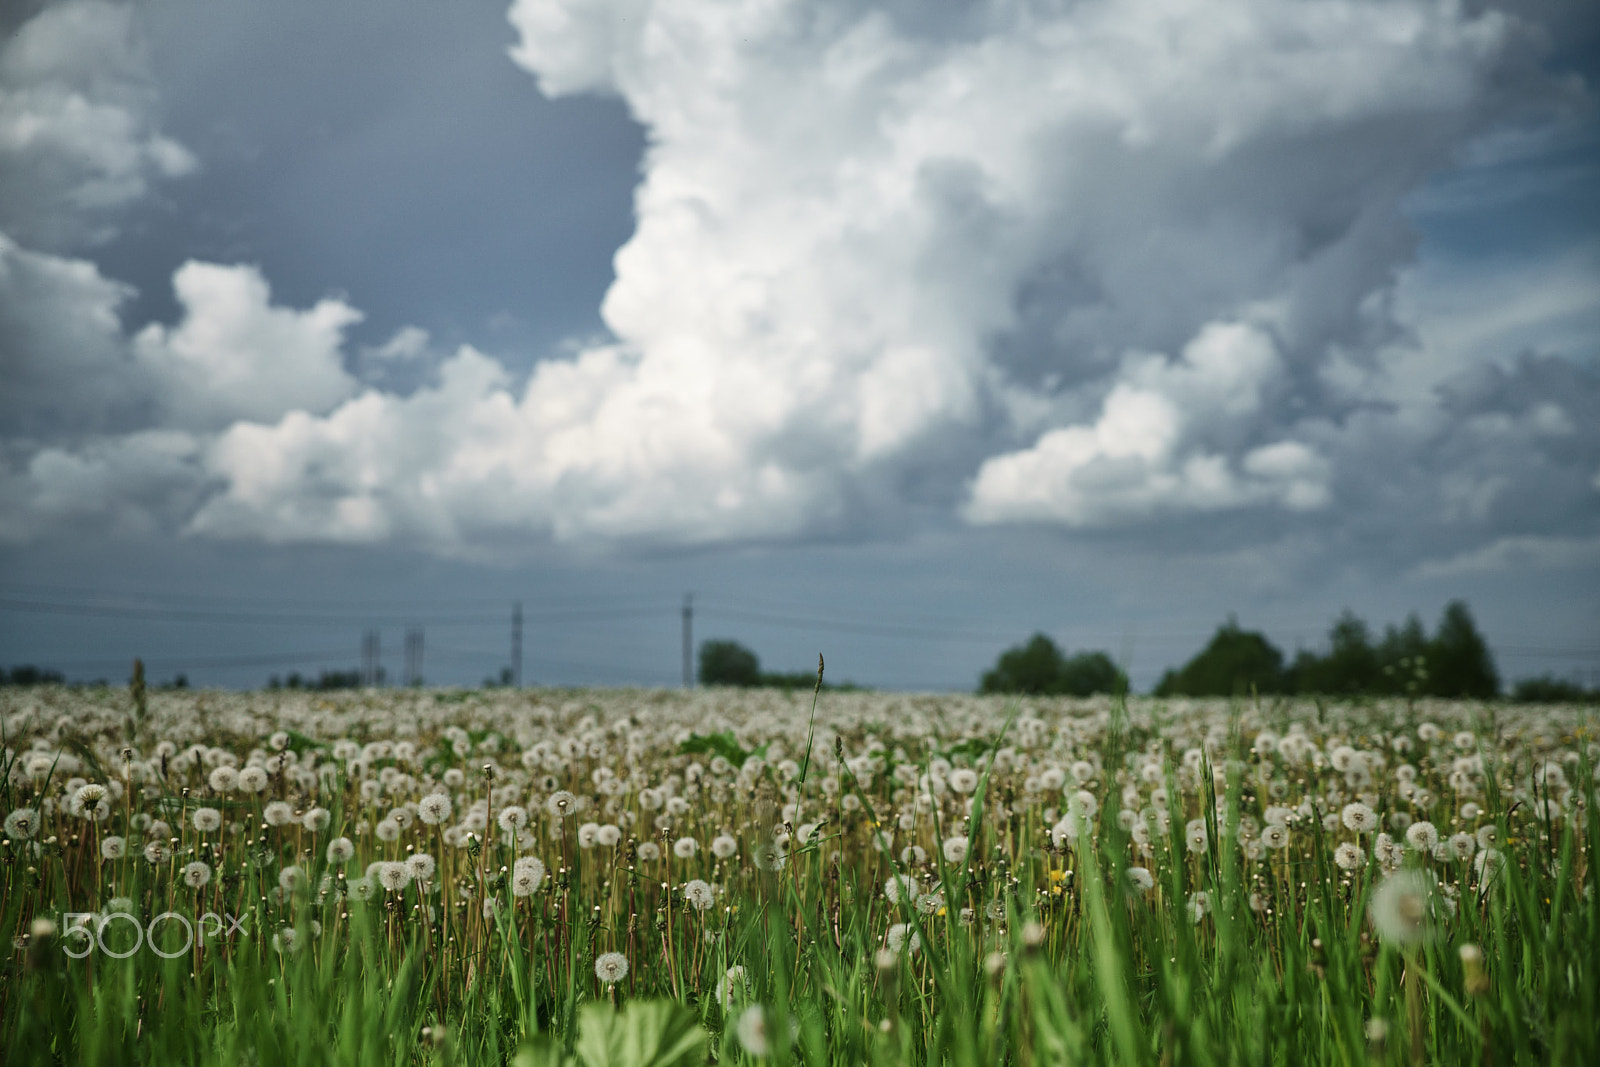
1452 662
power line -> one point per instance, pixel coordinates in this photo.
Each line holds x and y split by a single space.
167 614
269 659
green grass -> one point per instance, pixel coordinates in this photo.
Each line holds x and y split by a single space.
1058 961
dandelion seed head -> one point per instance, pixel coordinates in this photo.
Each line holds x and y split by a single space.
611 967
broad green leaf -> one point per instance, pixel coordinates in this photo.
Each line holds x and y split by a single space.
645 1033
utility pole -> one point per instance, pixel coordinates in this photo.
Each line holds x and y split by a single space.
413 656
688 640
516 644
371 671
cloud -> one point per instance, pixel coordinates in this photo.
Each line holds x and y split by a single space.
1132 462
1096 265
127 484
78 137
235 356
61 345
953 240
1529 552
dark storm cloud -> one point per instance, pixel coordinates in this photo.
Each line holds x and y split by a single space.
888 270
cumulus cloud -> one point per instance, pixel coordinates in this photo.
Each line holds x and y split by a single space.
1094 265
61 345
78 136
235 356
1133 462
974 227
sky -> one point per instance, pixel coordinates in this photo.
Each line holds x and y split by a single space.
890 331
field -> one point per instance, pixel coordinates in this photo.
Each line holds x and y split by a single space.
663 877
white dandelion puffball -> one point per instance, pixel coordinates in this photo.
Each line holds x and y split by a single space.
611 967
561 804
1140 879
88 797
340 849
700 894
1422 836
277 813
901 939
291 878
1349 857
394 876
316 820
955 849
1405 908
421 866
207 820
223 780
649 851
512 820
114 848
253 779
607 835
752 1031
1359 817
723 846
685 847
899 885
196 874
22 824
158 852
388 830
527 875
434 808
363 888
1275 836
963 779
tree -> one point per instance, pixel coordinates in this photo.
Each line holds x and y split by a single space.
1459 663
1403 658
1552 690
1040 668
1234 662
728 663
1351 665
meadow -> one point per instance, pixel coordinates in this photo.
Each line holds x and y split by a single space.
632 877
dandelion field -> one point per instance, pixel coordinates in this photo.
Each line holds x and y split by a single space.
663 877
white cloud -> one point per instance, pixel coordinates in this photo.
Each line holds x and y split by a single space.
1140 457
859 234
235 356
77 131
468 458
1093 265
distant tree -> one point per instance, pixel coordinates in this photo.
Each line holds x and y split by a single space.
1403 658
338 680
28 674
1459 663
728 663
1032 668
1552 690
1351 665
1040 668
1089 673
1234 662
